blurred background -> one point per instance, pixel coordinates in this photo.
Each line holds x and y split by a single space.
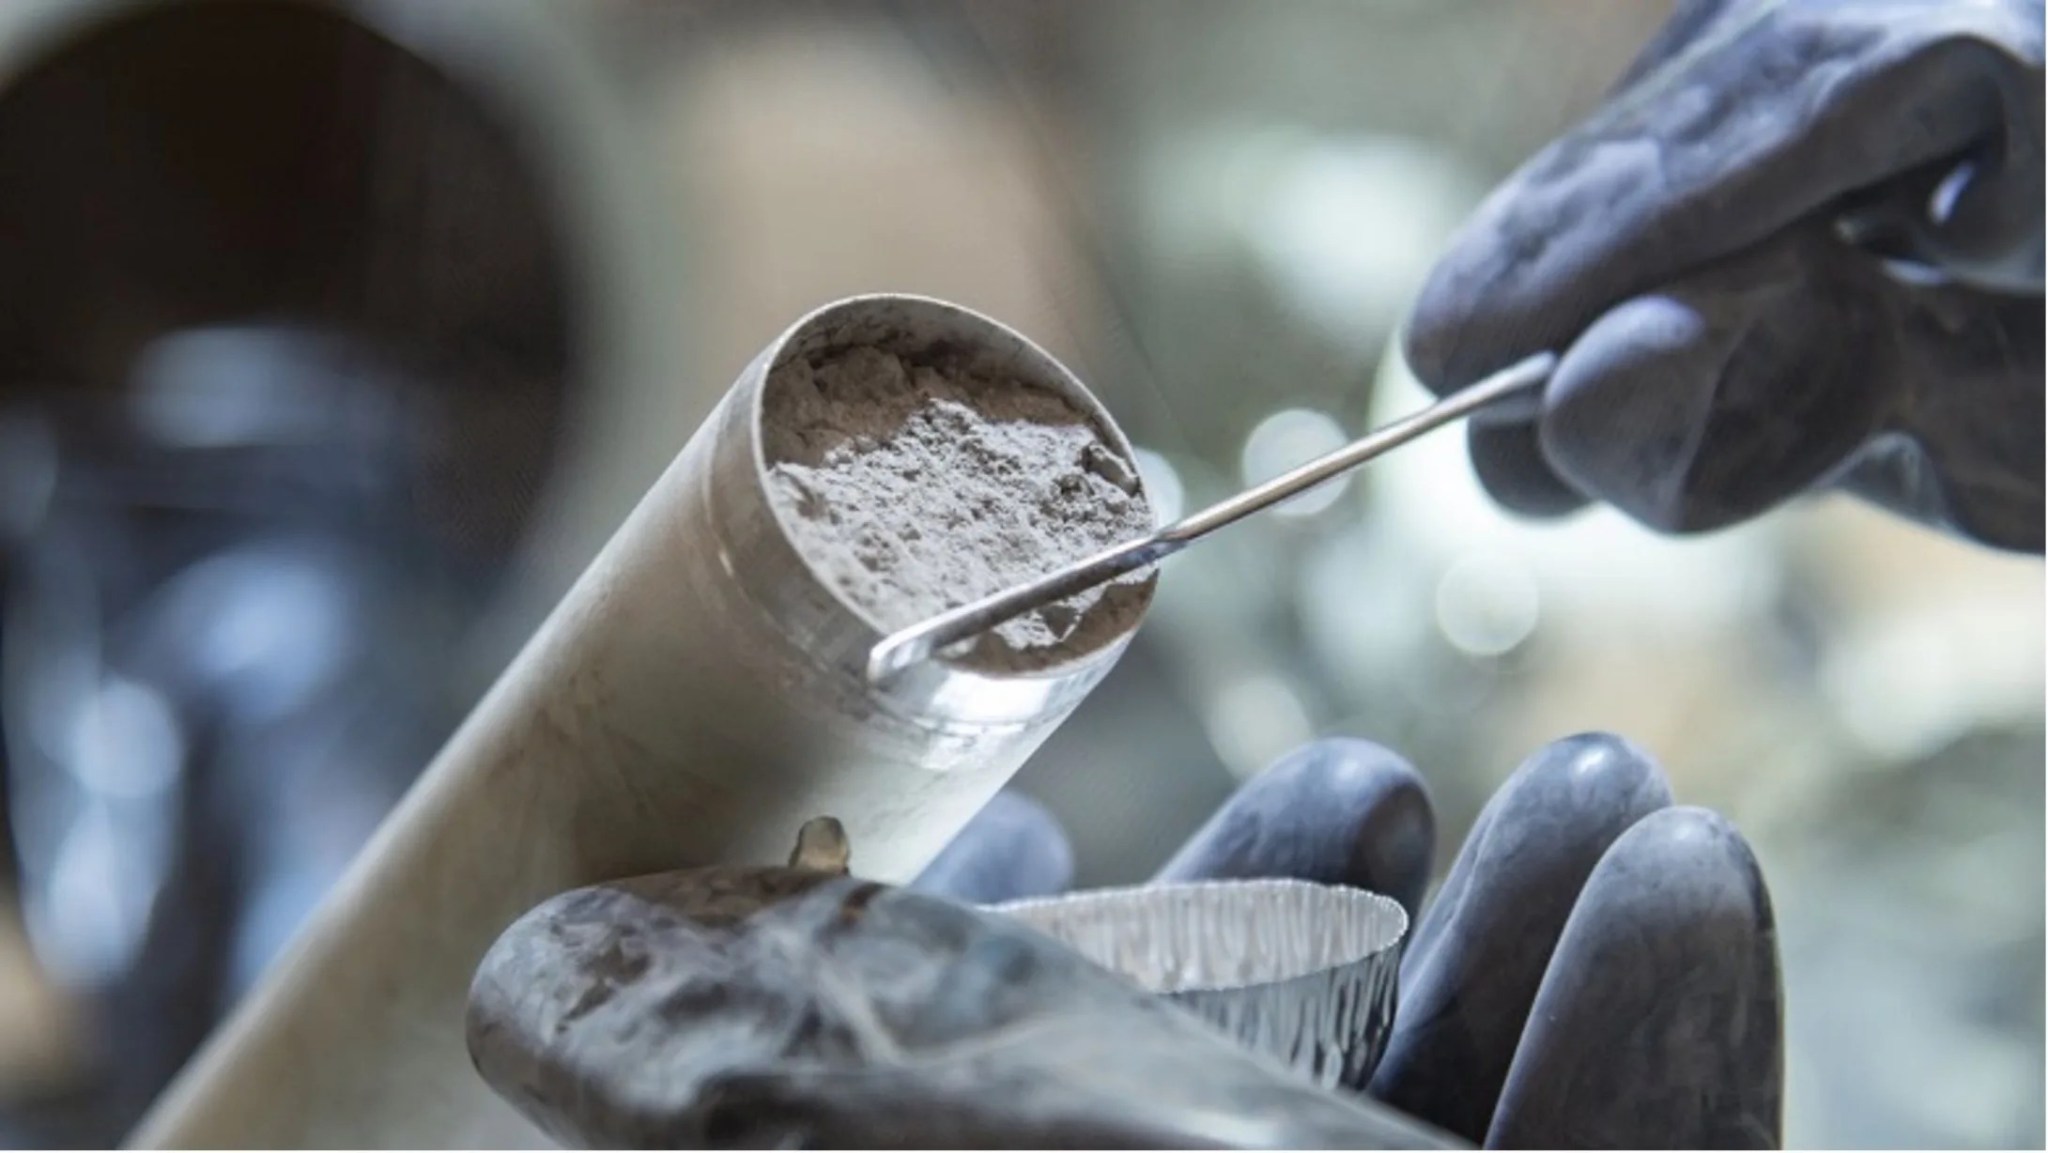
335 338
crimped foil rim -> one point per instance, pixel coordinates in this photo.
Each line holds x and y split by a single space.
1219 936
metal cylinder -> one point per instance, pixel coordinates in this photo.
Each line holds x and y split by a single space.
694 698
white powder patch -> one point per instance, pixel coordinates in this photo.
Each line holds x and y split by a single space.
915 487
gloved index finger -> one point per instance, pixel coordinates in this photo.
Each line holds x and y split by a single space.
1778 110
1338 812
1013 848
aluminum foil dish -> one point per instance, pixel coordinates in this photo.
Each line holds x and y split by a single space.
1301 971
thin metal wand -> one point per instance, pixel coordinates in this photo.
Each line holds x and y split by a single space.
906 647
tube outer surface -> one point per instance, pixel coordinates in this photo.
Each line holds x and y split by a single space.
696 697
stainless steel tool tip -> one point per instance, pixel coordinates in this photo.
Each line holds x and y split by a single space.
901 650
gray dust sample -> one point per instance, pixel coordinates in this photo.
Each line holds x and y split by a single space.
916 484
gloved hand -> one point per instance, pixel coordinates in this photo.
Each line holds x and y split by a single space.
1598 970
1800 245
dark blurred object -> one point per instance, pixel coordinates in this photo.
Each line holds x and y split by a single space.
286 342
194 164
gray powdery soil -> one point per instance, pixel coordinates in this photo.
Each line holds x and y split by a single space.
916 487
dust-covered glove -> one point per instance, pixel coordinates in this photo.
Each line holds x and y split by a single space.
1800 245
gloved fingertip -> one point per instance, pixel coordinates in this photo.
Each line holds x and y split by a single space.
1453 336
1338 811
1012 849
1607 773
1430 335
1477 958
1583 791
1509 462
1668 969
1626 410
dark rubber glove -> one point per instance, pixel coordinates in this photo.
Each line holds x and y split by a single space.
1599 969
1799 246
1012 849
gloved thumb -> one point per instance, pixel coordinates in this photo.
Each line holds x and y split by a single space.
1717 397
